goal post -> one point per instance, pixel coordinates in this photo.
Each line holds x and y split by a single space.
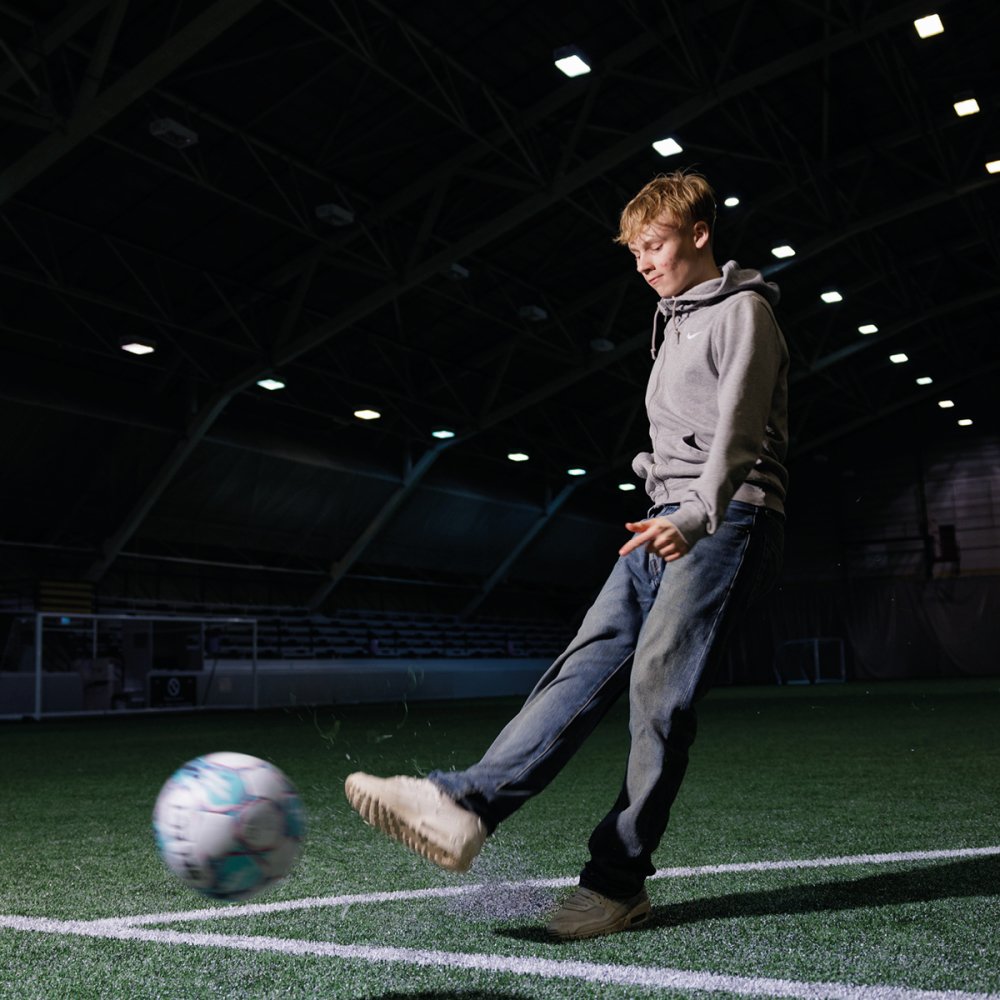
55 664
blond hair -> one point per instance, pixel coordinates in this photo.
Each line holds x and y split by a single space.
677 198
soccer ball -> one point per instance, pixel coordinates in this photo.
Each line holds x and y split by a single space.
228 825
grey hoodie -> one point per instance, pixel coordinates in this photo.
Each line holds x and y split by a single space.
717 402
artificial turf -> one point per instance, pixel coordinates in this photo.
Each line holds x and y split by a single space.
776 773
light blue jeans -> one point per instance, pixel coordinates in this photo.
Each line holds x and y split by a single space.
657 629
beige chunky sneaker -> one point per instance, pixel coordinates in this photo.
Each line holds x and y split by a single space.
420 816
587 913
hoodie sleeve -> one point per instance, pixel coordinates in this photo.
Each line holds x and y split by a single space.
750 356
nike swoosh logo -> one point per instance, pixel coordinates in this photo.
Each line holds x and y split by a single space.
697 333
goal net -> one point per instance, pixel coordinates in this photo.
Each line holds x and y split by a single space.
57 663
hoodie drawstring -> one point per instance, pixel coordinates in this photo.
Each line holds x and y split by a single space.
673 319
733 279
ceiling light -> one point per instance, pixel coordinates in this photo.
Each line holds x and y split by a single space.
173 133
334 215
898 359
367 413
993 167
576 472
966 106
945 404
831 296
602 345
667 147
443 433
137 345
626 487
784 250
571 60
533 314
929 25
925 380
731 202
867 328
270 383
517 456
965 422
456 272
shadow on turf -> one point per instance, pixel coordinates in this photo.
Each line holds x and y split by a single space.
975 877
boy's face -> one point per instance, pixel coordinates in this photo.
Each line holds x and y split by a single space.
673 258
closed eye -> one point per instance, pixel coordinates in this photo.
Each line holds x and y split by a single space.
649 248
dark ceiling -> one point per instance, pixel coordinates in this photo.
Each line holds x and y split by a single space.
448 134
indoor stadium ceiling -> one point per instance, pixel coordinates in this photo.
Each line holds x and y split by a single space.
406 207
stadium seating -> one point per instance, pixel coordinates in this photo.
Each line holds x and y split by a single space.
291 633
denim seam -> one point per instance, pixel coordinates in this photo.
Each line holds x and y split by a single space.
548 746
569 722
723 604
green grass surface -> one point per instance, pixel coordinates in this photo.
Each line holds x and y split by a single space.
776 774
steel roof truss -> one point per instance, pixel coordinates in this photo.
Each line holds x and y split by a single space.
96 68
522 544
47 39
197 33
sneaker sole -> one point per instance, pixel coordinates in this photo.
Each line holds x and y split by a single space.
631 919
382 817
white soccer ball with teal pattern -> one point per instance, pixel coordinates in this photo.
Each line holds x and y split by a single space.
229 825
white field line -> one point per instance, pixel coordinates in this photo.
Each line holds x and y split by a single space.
438 892
620 975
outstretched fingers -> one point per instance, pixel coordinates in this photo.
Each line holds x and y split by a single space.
643 532
660 537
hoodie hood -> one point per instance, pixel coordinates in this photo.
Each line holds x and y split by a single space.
734 279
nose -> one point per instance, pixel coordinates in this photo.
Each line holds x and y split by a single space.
642 265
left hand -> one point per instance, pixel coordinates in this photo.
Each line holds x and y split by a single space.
660 537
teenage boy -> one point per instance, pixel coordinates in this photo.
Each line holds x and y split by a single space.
710 545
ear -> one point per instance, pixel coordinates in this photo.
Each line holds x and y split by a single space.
701 235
